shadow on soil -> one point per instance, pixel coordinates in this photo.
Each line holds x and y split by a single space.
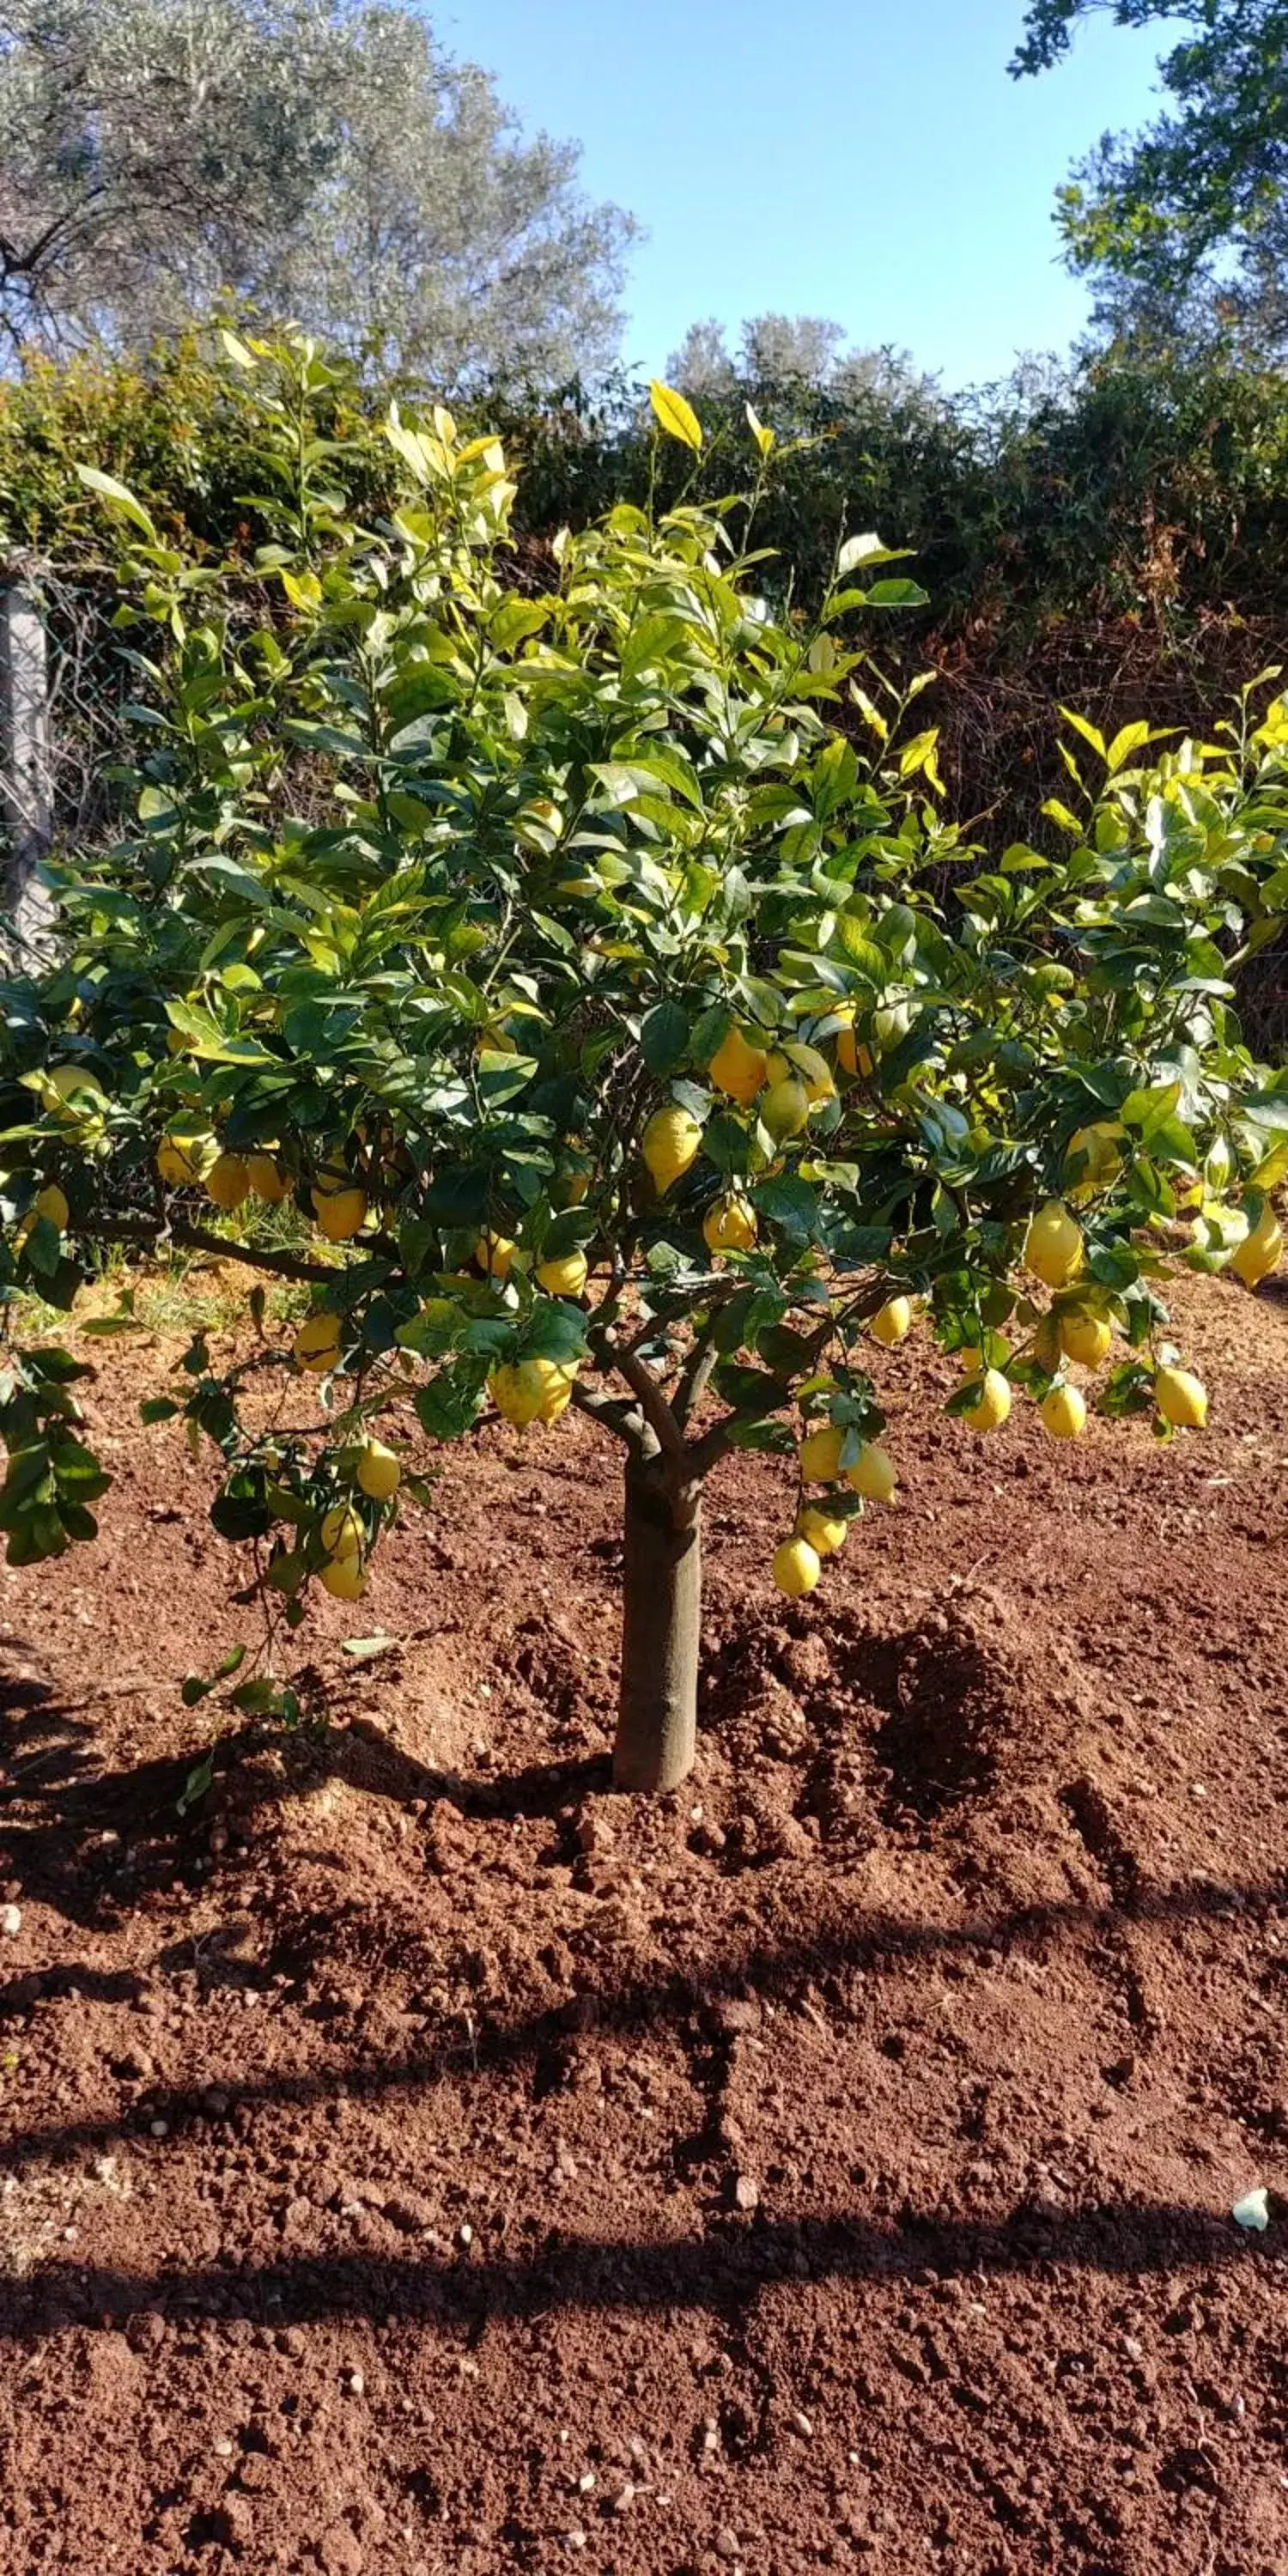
737 2260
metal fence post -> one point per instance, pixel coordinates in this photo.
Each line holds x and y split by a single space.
26 777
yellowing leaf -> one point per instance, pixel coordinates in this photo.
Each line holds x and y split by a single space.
764 438
673 414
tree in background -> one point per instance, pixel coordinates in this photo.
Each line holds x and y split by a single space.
777 351
310 157
1184 227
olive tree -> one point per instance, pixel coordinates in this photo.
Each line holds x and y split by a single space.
577 992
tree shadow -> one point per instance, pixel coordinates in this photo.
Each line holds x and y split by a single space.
736 2259
536 2041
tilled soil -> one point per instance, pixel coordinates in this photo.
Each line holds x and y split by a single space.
417 2159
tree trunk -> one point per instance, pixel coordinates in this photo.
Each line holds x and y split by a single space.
661 1624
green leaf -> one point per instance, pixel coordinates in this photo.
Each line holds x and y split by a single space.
675 415
664 1037
118 496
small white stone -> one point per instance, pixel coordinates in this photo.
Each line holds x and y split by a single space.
357 2384
10 1921
1253 2210
466 2232
726 2542
223 2448
802 2424
159 2128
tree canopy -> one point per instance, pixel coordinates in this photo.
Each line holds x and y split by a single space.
309 157
1187 218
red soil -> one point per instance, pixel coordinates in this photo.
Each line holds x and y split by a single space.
419 2159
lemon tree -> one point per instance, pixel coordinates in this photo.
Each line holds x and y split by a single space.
575 991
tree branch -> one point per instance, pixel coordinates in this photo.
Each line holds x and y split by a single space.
653 1404
625 1421
194 1238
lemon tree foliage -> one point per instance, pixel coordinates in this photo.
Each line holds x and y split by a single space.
579 993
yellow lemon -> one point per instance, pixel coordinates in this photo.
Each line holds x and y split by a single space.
1094 1155
343 1532
785 1108
825 1532
1085 1337
1181 1398
181 1159
669 1145
820 1454
1053 1244
1064 1414
892 1322
495 1254
993 1405
560 1379
729 1226
873 1474
1260 1251
228 1180
339 1205
267 1179
317 1343
525 1391
566 1276
851 1054
738 1068
51 1203
344 1577
796 1567
378 1471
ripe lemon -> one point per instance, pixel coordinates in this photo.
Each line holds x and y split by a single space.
892 1322
796 1567
669 1145
1097 1155
729 1226
228 1180
1064 1414
317 1343
339 1206
851 1054
343 1532
566 1276
344 1577
994 1404
825 1532
738 1068
379 1472
1181 1398
873 1474
1053 1244
51 1203
495 1254
1261 1251
182 1158
559 1386
1085 1337
785 1108
820 1454
267 1179
525 1391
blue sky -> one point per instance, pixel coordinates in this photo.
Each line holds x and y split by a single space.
868 160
